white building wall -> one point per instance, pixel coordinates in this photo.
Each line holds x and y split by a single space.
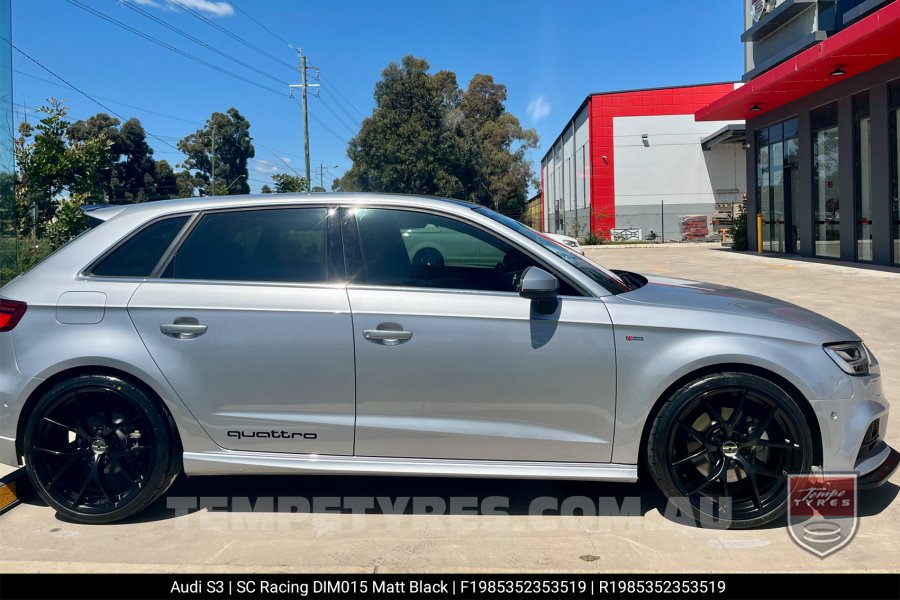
670 175
566 171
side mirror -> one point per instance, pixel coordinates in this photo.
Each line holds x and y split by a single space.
538 284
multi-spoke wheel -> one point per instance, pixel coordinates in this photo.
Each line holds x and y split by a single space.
98 449
725 443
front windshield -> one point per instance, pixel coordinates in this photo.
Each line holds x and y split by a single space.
597 273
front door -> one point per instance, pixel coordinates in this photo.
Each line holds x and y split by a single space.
452 363
251 327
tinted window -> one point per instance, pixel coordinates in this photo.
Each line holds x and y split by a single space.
138 256
416 249
287 245
609 280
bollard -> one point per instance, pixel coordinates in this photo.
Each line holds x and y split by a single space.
759 233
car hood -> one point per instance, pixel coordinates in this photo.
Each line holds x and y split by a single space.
773 317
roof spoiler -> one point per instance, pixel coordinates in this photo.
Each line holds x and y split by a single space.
99 213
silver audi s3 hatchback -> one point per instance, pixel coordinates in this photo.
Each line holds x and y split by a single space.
375 334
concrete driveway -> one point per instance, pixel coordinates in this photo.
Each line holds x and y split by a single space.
260 524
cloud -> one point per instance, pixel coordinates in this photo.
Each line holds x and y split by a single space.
538 109
208 7
264 166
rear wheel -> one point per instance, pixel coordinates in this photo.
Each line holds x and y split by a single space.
725 443
98 449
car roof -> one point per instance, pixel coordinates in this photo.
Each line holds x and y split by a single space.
162 207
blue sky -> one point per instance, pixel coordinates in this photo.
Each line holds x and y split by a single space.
550 55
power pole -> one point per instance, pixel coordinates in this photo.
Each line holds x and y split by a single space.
322 173
303 85
212 158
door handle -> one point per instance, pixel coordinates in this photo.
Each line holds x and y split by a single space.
183 328
387 334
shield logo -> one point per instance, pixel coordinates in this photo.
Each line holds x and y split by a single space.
822 511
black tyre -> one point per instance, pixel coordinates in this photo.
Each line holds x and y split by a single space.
428 257
99 449
724 444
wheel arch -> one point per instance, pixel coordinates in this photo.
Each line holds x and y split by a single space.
72 372
802 403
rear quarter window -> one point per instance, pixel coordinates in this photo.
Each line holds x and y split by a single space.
139 255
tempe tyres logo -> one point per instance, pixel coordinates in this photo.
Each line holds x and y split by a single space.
822 512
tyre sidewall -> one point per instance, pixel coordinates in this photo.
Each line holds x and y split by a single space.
162 471
658 455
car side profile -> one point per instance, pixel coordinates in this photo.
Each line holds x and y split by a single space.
301 334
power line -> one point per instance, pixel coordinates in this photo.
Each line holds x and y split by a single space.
336 91
337 116
131 106
232 35
324 125
200 42
275 35
83 93
330 85
337 103
284 162
158 42
194 58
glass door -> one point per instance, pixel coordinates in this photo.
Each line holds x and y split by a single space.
862 163
826 182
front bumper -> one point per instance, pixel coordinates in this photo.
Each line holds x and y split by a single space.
881 474
847 427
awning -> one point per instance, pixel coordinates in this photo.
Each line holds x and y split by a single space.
730 134
860 47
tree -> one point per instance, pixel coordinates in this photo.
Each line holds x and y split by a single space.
223 142
165 181
265 189
427 136
285 183
502 172
133 177
68 221
408 144
52 165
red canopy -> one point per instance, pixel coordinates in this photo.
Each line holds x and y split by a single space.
864 45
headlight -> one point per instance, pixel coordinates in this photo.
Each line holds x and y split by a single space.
852 357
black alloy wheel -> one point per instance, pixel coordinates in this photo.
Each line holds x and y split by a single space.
725 443
98 449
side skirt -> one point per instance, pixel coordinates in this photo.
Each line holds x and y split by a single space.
263 463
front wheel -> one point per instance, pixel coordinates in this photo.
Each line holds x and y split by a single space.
98 449
725 443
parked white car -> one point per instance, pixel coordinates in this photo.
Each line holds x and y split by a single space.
567 241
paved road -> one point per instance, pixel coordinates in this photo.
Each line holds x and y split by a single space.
271 538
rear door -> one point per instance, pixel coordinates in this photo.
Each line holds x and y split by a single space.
250 323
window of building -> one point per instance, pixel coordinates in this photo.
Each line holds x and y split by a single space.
895 170
140 254
862 164
277 245
826 181
776 167
792 183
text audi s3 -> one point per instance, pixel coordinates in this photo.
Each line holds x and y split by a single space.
377 334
